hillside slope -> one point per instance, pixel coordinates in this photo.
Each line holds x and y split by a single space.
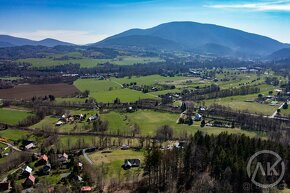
194 36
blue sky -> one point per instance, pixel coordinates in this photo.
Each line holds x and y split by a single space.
87 21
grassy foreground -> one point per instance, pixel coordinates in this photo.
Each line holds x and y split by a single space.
12 116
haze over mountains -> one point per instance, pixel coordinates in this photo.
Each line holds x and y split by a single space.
180 36
195 36
10 41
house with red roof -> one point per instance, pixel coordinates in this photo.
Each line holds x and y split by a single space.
86 189
29 182
42 160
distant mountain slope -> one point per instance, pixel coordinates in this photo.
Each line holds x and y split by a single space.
8 41
192 36
5 44
280 54
141 42
215 49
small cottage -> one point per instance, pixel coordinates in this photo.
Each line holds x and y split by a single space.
29 182
128 163
26 171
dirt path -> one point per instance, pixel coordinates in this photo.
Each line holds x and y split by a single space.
275 113
11 146
87 157
117 83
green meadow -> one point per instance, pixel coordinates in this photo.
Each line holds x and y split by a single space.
88 62
241 102
15 135
112 161
147 120
12 116
110 89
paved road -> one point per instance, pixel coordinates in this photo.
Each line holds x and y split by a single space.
275 113
15 170
87 157
16 149
11 146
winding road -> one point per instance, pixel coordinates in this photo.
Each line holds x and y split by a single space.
87 157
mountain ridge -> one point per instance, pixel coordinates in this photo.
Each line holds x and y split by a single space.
193 35
10 41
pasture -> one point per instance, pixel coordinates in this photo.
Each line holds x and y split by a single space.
112 160
12 116
15 135
89 62
241 103
76 126
148 122
110 89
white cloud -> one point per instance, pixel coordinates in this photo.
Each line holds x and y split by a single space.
76 37
283 5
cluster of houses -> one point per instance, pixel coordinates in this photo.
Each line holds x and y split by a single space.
272 100
147 88
27 172
43 168
64 119
171 146
249 69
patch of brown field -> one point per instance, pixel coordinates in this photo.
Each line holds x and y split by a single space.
27 91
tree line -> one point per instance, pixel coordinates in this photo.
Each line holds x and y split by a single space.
208 164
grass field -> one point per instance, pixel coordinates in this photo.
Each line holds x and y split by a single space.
76 126
147 120
240 103
89 62
108 90
153 79
12 116
114 160
15 135
285 112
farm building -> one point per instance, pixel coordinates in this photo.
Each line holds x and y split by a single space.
59 123
27 171
128 163
125 147
92 118
43 159
197 117
4 186
63 158
30 181
29 146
